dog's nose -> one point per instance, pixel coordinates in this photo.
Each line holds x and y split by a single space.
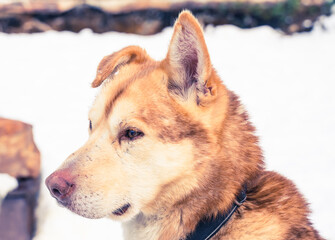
60 185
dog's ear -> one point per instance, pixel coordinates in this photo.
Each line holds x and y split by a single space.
110 64
188 59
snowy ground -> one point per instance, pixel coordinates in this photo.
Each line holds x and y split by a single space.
8 184
286 82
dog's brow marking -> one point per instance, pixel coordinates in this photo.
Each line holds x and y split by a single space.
111 103
146 71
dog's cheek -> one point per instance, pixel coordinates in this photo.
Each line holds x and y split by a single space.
160 164
171 160
138 169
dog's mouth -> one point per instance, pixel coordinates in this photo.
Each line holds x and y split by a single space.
122 210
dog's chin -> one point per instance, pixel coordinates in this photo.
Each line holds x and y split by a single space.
85 210
87 213
122 213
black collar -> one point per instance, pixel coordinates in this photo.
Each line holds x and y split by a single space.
207 228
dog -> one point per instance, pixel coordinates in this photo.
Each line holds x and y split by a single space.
171 149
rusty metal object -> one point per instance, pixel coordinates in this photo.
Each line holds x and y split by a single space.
19 156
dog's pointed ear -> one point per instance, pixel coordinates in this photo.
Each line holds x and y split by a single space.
110 64
188 59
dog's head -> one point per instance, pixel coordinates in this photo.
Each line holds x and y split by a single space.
151 129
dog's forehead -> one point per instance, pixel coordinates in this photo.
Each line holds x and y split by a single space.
130 90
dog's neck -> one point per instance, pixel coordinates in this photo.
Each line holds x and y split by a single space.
219 185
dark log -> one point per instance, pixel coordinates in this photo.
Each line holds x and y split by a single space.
17 219
286 15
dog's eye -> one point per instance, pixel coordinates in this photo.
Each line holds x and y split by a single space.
90 125
133 134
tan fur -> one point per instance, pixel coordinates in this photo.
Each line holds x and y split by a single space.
197 152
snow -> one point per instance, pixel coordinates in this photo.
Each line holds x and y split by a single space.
287 84
8 183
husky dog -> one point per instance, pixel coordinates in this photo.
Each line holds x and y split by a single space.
171 148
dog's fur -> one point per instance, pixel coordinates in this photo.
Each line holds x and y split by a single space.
197 151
